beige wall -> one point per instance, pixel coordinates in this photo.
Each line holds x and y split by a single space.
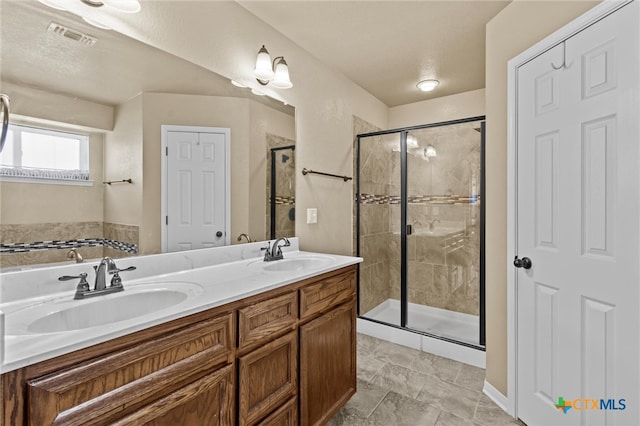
248 121
35 103
461 105
263 120
225 39
517 27
123 159
191 110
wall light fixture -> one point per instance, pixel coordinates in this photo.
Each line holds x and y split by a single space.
276 72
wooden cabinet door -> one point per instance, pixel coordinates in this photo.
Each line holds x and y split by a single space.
268 378
327 364
207 401
286 415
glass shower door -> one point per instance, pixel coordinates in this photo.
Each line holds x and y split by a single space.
443 218
379 226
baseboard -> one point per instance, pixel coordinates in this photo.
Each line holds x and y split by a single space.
496 396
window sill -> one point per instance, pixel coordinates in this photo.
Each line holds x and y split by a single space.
46 181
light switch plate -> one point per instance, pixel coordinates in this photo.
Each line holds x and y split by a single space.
312 216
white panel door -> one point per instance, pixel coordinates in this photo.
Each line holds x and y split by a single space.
577 220
195 190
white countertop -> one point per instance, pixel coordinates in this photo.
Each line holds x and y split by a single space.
231 274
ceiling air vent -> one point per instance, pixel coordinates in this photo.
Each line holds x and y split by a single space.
74 35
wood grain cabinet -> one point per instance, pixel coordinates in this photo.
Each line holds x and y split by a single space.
281 358
268 378
107 388
327 364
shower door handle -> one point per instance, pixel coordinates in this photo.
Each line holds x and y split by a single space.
525 263
409 229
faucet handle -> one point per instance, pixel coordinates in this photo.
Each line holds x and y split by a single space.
83 285
116 281
117 270
82 276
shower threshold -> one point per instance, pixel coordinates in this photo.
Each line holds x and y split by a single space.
439 322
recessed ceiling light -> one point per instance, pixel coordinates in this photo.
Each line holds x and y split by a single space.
427 85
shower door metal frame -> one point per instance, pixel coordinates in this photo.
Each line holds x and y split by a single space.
272 201
404 264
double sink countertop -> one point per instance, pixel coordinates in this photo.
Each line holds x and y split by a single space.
39 319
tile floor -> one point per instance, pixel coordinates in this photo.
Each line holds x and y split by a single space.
400 386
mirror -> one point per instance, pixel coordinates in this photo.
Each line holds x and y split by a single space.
119 91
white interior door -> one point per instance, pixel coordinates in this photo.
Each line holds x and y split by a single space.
196 190
578 222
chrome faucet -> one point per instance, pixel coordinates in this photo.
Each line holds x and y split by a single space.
111 268
245 236
75 255
106 267
432 224
275 252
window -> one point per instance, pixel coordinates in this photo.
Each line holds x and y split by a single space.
32 154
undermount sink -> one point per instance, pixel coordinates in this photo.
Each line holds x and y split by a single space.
293 264
66 314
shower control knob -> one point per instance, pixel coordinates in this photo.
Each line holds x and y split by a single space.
219 234
525 262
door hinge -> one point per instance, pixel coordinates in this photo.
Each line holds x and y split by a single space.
166 220
166 151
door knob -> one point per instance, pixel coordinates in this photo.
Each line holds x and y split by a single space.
219 234
525 262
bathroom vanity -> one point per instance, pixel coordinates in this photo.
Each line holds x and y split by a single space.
285 355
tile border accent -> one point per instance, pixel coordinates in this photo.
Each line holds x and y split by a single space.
9 248
281 199
419 199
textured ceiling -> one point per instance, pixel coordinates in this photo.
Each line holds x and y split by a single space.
386 47
114 70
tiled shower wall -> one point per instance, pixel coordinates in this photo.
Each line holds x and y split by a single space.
50 242
285 187
376 238
443 268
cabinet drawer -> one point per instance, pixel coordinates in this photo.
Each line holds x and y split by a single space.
268 377
324 295
287 415
116 384
207 401
262 320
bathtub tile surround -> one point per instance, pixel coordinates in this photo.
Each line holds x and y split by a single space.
120 240
44 243
449 392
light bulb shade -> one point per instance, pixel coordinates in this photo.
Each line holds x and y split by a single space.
281 78
263 70
428 85
430 151
126 6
